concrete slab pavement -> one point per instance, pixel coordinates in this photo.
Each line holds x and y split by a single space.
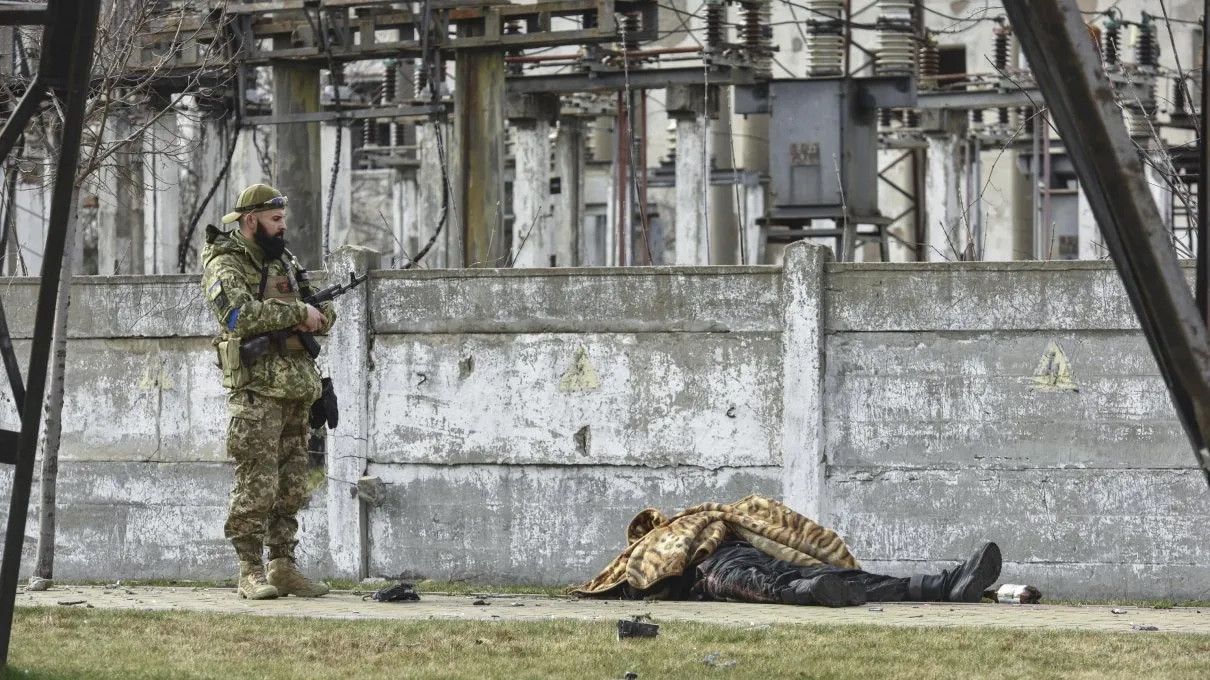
349 605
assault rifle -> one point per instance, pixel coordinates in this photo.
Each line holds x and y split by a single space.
251 350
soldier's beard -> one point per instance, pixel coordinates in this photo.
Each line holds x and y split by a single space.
273 246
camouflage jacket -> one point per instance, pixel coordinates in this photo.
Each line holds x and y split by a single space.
233 270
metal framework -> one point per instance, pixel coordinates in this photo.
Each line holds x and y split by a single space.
70 29
1081 100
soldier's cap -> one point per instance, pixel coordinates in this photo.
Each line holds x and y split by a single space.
256 198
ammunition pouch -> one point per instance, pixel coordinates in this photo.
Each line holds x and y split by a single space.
235 372
325 409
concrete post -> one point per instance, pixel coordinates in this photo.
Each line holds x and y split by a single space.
342 215
1091 244
162 196
32 215
567 214
429 196
691 106
297 172
529 116
245 167
692 239
724 240
533 240
346 354
804 462
754 208
405 218
946 236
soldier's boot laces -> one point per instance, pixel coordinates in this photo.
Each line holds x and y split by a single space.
285 576
253 584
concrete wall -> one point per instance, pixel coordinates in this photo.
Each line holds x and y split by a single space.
519 419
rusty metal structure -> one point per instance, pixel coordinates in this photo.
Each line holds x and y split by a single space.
68 34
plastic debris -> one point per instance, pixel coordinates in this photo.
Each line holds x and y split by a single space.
1143 627
712 660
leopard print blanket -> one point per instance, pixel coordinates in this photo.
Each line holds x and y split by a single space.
660 547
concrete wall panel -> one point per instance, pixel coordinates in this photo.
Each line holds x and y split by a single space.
530 524
651 299
647 400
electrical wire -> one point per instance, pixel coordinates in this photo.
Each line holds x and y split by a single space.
430 67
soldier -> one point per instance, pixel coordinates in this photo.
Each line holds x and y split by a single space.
253 286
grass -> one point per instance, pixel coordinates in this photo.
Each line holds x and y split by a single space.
74 643
422 586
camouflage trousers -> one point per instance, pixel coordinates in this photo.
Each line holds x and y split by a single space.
267 437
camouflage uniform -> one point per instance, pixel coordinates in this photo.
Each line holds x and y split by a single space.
269 401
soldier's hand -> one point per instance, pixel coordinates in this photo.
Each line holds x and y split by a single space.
315 320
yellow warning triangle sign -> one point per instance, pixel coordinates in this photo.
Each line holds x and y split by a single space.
580 376
1054 371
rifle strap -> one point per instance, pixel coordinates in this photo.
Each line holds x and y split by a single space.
264 281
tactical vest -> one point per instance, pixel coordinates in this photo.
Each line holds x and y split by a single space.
281 288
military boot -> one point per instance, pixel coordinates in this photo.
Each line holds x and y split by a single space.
966 583
252 582
284 574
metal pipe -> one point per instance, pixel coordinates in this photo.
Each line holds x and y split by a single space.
1202 285
621 221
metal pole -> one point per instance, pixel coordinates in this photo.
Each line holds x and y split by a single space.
73 30
1203 185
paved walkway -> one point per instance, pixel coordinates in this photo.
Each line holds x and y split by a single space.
346 605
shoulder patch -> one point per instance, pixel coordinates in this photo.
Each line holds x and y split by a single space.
217 296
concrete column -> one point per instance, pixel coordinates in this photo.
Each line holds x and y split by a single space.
478 164
755 140
119 186
567 212
207 160
529 117
533 237
754 207
341 217
33 213
430 190
297 169
404 217
692 238
724 238
804 465
245 167
1091 243
691 106
162 196
946 235
346 354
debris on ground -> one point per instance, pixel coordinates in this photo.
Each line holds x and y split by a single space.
712 660
636 627
39 584
481 602
1143 627
630 675
397 593
70 603
1117 611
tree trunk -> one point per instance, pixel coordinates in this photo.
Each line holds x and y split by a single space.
53 412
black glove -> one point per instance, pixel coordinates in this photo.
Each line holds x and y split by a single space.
325 409
331 409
